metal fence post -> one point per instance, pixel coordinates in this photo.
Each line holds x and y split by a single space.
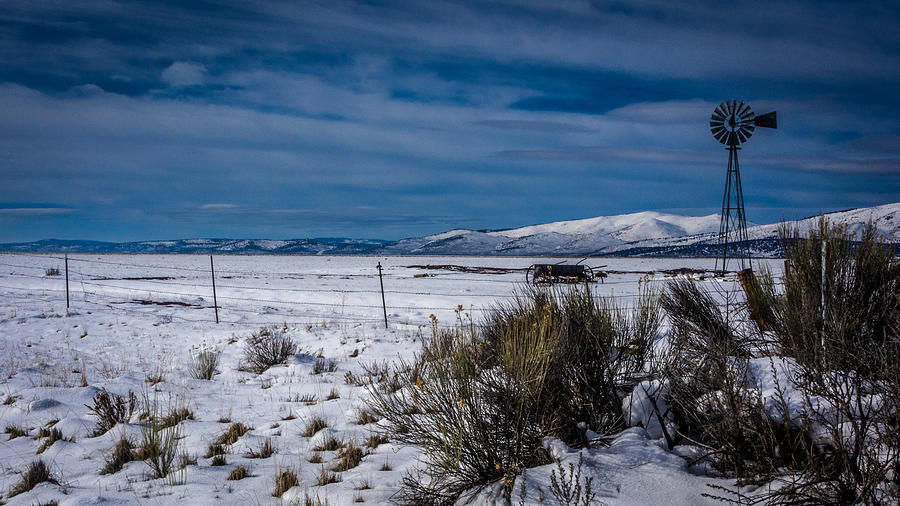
67 282
212 271
383 305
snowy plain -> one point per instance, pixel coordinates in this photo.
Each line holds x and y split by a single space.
136 316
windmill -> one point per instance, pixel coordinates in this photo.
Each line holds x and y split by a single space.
732 124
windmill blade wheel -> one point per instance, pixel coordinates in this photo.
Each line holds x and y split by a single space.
732 122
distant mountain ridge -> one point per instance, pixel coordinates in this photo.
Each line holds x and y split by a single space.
320 246
647 233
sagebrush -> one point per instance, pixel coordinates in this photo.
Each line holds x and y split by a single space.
480 398
268 347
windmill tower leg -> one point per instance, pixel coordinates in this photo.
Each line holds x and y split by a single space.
733 223
742 236
725 220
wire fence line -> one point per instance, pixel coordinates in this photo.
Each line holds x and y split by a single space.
123 294
186 269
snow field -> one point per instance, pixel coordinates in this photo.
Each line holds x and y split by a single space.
120 332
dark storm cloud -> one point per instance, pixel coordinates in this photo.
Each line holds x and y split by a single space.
281 119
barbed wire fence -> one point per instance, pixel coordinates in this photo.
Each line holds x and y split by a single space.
188 292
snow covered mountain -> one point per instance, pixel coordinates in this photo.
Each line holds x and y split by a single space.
764 238
646 233
560 238
638 234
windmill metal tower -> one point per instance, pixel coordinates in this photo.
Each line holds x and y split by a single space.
732 124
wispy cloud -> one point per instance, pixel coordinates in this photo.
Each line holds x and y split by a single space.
608 153
34 211
533 126
181 74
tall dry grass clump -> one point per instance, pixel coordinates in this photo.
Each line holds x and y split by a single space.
204 364
159 440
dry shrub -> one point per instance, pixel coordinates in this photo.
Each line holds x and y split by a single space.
848 356
596 351
204 364
389 377
483 398
327 477
186 460
238 473
309 500
308 399
14 432
50 436
375 440
862 283
122 454
284 480
155 377
364 417
475 423
699 321
111 409
706 369
349 457
267 347
329 445
843 446
265 451
858 447
175 416
36 473
232 434
322 365
568 488
315 424
214 450
354 379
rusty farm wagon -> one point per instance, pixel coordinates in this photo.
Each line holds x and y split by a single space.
560 273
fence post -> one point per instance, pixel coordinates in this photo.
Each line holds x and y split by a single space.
822 289
212 271
383 305
67 282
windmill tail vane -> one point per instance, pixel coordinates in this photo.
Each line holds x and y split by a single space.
732 123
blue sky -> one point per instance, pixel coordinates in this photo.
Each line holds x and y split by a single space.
133 120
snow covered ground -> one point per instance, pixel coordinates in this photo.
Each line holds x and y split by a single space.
132 317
